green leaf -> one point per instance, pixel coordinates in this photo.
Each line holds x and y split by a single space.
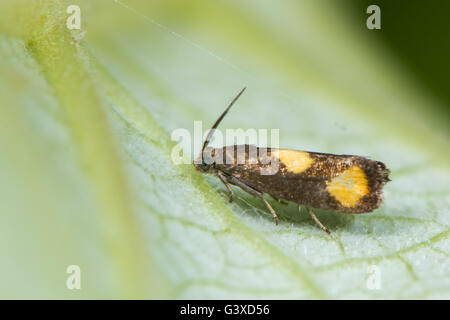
88 180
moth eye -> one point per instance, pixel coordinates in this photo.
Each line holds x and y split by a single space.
205 167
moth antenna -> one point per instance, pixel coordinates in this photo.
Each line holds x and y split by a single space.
216 124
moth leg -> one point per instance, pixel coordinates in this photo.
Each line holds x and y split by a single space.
311 212
255 193
279 200
274 214
222 178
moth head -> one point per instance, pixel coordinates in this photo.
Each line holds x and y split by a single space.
205 162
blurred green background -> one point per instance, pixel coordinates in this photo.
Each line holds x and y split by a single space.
417 35
85 147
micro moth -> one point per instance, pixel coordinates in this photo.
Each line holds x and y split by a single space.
340 183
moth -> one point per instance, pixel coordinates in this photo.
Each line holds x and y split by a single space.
340 183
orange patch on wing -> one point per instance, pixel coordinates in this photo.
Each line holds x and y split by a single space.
349 187
294 160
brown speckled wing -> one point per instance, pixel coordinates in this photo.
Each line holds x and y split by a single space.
342 183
